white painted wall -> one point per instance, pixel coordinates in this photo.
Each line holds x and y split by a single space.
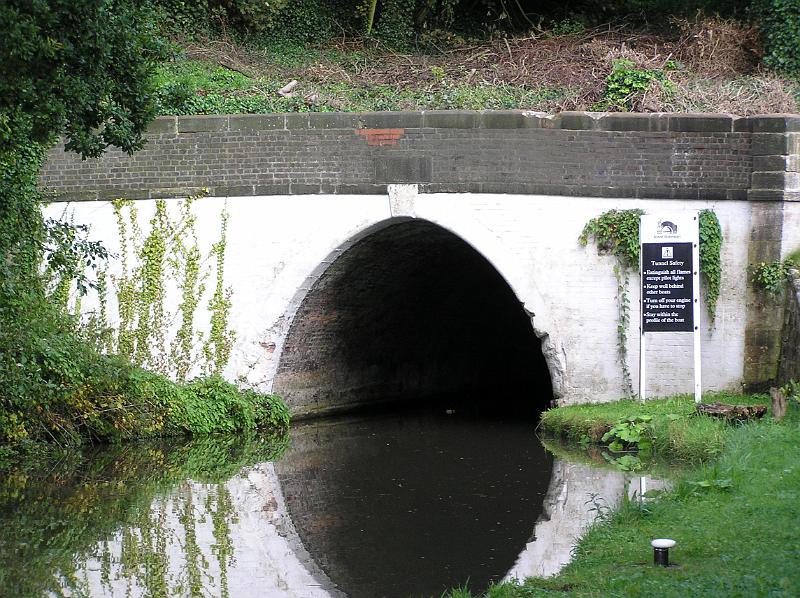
277 246
791 228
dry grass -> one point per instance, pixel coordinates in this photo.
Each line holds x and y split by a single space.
716 67
715 48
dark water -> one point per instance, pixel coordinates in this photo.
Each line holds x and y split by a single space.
410 506
392 505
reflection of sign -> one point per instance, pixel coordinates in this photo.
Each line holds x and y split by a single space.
667 287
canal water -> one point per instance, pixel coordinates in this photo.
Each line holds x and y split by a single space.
396 505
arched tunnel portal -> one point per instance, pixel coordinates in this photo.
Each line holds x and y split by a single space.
411 312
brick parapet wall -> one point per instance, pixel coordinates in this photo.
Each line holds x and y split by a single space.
680 156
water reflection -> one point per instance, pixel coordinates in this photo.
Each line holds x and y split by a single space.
399 506
390 506
224 539
149 518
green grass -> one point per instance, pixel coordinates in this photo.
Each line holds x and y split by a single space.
734 520
677 431
197 74
197 87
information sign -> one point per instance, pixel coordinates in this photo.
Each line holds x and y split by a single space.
667 287
669 267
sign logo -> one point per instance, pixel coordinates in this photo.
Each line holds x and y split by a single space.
667 253
666 227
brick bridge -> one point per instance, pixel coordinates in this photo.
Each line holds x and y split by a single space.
387 255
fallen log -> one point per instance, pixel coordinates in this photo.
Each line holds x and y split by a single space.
732 412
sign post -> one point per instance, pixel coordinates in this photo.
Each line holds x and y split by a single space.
669 263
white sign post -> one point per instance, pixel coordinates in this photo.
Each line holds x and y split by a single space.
669 263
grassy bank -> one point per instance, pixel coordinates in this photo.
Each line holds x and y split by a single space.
115 401
674 431
734 518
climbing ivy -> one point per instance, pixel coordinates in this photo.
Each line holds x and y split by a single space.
217 349
167 257
617 232
772 276
710 259
185 264
150 333
96 329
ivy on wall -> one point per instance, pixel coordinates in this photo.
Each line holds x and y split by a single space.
217 348
616 232
772 276
710 262
167 257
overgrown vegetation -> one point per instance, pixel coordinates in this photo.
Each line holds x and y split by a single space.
772 276
673 429
628 55
161 260
718 513
403 23
780 27
710 259
617 232
83 70
625 83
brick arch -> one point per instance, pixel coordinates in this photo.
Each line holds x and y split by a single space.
407 310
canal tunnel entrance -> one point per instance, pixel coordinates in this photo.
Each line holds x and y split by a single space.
413 314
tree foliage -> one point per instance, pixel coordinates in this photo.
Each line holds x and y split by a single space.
78 67
780 32
401 22
82 69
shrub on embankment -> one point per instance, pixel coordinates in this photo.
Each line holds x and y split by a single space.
75 395
81 69
673 428
54 384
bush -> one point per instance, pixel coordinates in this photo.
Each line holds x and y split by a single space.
780 31
304 21
627 85
211 405
192 16
68 393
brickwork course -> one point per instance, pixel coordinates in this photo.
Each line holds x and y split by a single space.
571 153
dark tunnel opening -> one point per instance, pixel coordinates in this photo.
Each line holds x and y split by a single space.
412 314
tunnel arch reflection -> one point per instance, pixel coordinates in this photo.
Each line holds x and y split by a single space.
410 312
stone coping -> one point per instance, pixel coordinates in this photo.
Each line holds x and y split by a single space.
484 119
